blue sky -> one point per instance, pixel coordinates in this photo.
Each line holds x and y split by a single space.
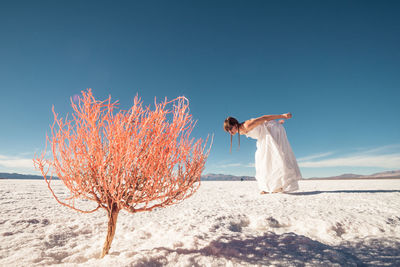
334 64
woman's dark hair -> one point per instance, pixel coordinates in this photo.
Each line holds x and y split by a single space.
229 123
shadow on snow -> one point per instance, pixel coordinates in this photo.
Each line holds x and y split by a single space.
290 249
342 191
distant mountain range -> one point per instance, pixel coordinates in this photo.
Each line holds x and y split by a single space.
379 175
207 177
4 175
226 177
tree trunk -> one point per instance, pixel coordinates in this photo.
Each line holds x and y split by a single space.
112 224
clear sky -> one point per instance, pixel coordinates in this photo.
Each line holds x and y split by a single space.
334 64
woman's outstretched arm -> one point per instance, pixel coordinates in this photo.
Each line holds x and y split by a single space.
251 124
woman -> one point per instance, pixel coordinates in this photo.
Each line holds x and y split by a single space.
276 165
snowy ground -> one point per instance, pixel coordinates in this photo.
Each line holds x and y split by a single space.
350 223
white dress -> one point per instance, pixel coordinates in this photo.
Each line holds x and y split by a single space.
276 165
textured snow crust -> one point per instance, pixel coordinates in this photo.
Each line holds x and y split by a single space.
351 223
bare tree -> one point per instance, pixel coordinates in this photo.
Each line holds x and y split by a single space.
136 160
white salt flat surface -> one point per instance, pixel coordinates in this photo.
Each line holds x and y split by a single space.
346 223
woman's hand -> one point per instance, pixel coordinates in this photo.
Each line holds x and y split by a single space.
287 115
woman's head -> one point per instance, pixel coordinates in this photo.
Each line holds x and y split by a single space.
232 126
